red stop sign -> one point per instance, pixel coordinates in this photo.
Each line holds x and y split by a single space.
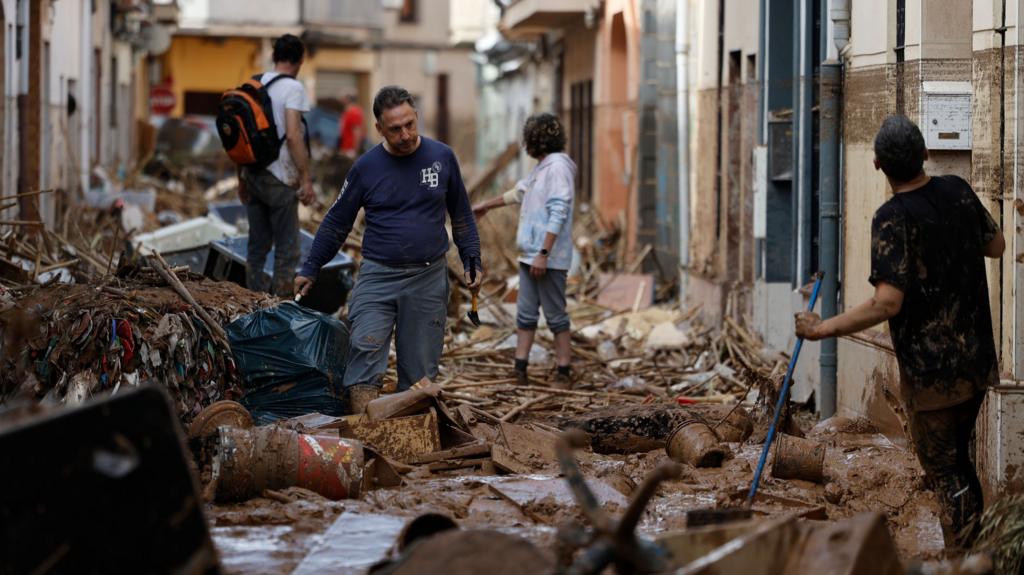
161 100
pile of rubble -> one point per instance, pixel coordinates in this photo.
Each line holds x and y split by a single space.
64 343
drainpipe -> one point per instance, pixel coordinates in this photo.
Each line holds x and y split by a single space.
829 133
1002 149
683 138
85 103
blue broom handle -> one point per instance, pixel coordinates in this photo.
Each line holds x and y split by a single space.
782 396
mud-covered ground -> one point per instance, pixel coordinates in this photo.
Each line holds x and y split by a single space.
299 530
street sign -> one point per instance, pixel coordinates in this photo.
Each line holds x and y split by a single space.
161 100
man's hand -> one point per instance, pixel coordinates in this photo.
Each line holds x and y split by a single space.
306 194
302 285
539 266
474 284
808 326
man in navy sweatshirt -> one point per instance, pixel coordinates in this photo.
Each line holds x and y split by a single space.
406 184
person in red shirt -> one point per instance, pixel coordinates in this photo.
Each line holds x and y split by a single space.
351 127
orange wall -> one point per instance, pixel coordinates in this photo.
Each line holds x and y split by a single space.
616 93
209 65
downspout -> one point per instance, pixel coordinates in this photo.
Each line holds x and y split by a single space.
85 103
1002 150
900 49
829 133
683 138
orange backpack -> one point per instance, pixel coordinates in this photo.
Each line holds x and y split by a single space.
245 123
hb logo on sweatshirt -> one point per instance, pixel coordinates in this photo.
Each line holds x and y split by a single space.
431 175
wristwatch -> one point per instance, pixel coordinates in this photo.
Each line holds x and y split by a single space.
543 252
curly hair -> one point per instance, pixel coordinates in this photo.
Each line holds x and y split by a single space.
543 134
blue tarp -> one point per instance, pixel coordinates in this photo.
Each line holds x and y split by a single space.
292 360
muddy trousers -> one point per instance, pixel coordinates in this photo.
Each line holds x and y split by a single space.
942 439
273 212
409 301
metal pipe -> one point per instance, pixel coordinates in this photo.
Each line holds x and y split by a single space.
762 57
85 103
682 49
1002 148
830 126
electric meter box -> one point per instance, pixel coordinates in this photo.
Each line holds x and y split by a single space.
946 115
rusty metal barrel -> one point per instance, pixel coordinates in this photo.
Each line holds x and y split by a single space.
251 460
694 443
798 458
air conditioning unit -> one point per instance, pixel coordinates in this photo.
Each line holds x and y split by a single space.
392 4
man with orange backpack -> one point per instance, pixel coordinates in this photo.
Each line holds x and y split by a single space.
262 129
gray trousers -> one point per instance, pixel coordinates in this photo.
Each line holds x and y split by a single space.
273 211
412 302
547 292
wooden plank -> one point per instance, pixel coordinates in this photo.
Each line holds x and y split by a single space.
454 453
497 165
527 493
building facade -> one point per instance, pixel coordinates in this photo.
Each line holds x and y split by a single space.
354 48
74 75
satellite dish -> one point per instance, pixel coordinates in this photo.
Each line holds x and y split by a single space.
155 39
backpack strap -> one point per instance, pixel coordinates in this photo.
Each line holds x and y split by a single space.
304 124
274 79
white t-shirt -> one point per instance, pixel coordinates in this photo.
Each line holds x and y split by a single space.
285 94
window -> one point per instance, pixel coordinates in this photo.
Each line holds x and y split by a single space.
407 15
113 91
201 103
581 120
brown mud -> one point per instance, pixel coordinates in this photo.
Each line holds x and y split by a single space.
864 471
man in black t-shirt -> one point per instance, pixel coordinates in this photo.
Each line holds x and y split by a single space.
928 244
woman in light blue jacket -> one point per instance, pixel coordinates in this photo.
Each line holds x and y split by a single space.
544 239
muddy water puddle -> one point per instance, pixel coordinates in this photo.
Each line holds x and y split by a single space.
864 472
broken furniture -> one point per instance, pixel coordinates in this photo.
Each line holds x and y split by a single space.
328 293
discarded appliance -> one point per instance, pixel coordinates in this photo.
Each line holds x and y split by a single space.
102 488
231 212
227 263
271 457
292 360
186 243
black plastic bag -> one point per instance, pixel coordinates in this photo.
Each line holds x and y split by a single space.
291 359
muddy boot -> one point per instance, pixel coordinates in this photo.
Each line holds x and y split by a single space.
521 377
520 371
563 379
359 396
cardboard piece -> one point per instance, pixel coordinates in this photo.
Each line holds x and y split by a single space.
621 292
402 438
